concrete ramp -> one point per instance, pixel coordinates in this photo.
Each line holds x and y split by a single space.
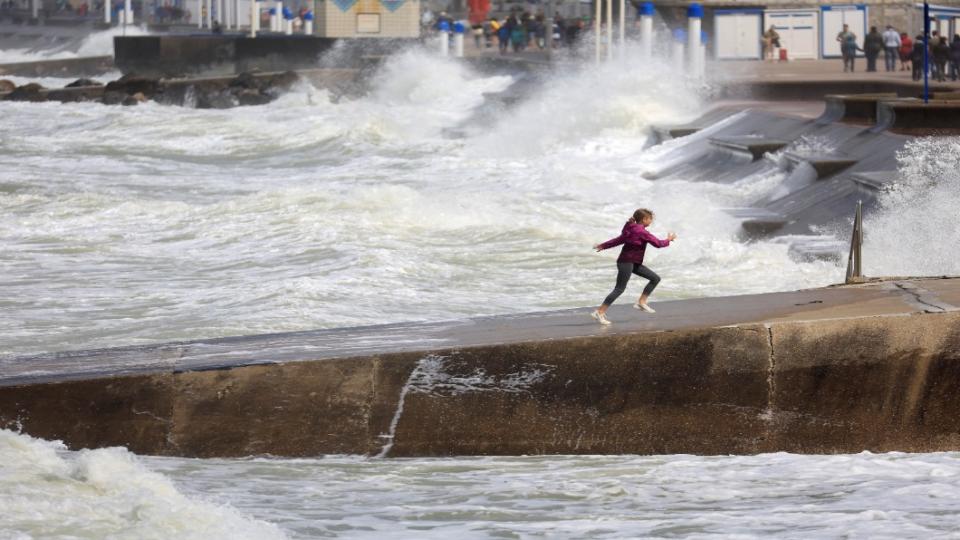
913 117
753 146
853 108
820 163
842 369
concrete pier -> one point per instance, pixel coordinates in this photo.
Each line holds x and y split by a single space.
840 369
71 67
226 54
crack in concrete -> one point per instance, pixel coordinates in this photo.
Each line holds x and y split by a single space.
167 421
928 300
771 380
391 434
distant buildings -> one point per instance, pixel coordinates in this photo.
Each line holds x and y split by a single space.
807 29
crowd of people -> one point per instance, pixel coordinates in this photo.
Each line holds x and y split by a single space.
521 30
168 13
943 56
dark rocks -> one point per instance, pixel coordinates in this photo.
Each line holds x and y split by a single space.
135 99
83 83
280 83
79 94
28 92
246 89
131 84
113 98
246 81
252 97
7 86
212 96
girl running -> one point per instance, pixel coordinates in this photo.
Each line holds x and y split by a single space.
634 238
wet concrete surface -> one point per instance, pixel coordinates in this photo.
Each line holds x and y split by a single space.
839 369
884 298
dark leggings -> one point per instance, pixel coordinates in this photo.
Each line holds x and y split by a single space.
624 269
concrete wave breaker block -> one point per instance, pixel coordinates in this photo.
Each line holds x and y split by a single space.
824 164
913 117
755 146
871 182
759 221
853 108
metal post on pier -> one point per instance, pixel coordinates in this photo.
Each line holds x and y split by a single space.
623 27
254 18
127 15
694 25
646 29
596 27
610 26
549 23
926 52
854 260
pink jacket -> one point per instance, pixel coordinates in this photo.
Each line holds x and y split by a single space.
634 238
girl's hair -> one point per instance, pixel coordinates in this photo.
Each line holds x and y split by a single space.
641 213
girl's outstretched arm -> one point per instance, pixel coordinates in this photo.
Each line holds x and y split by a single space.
613 242
644 235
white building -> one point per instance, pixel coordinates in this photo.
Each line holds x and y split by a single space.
368 18
807 30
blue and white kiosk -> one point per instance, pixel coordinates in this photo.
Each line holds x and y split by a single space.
832 19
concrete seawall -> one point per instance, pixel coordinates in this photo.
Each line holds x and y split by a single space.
843 369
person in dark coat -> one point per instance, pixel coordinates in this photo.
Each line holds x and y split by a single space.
503 34
848 48
941 55
916 57
932 43
955 57
872 47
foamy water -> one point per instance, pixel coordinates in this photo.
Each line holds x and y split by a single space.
48 492
152 223
95 44
915 232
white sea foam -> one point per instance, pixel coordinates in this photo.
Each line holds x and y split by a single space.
151 223
573 497
48 492
95 44
432 376
915 231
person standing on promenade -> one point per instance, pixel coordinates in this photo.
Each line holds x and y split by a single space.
891 48
634 238
503 34
955 57
916 57
931 63
941 55
872 45
771 41
848 47
906 50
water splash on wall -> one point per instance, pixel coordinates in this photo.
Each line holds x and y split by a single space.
915 230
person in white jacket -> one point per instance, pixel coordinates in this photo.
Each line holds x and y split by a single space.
891 47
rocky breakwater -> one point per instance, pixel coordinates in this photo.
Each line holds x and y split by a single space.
208 93
840 369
